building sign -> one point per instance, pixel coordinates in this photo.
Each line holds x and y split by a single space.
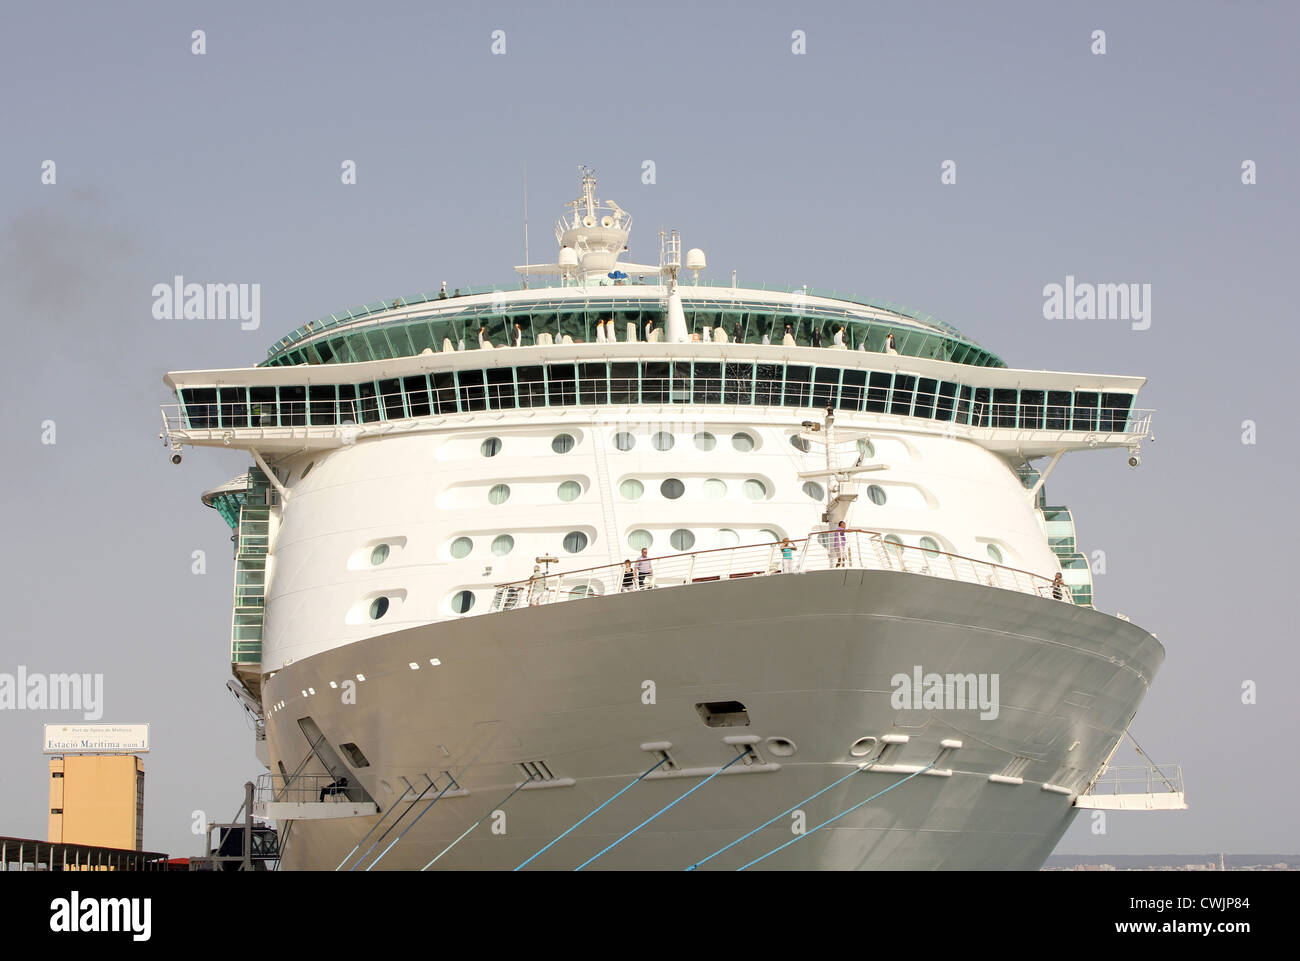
96 738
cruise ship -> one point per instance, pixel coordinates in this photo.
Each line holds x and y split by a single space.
619 568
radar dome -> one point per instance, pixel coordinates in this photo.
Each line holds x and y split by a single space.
568 257
695 259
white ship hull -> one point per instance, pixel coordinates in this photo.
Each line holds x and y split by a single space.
811 657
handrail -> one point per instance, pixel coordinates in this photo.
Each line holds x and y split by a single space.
850 549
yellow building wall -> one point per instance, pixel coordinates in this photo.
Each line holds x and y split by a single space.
101 797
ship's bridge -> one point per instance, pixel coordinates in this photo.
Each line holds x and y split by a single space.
531 314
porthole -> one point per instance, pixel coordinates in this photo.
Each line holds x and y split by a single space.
866 448
502 545
462 601
705 441
379 554
800 443
772 536
781 746
631 488
995 554
863 746
814 490
755 489
715 488
742 442
682 540
569 490
624 441
499 494
461 547
639 539
672 488
930 546
662 440
307 470
490 447
378 608
562 443
728 538
876 493
894 544
575 541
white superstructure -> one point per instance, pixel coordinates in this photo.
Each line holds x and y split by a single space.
433 475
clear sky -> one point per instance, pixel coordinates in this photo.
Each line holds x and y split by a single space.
822 167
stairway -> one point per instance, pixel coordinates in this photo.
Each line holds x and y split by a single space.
252 547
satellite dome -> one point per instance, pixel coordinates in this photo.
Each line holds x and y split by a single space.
695 259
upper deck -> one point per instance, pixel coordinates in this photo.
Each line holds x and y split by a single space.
406 326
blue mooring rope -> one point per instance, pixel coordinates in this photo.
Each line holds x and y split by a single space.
738 757
620 791
836 818
811 797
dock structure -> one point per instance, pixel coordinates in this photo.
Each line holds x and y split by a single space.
26 854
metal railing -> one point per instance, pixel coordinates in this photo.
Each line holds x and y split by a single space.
1124 779
822 550
305 789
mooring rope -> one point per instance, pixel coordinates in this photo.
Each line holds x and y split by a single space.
836 818
794 807
738 757
492 809
620 791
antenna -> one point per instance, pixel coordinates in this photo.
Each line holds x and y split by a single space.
526 260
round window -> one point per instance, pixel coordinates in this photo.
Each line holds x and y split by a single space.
631 488
715 488
462 601
663 441
705 441
569 490
624 441
562 443
574 541
800 443
499 494
460 547
866 448
639 539
490 447
672 488
728 538
772 536
502 545
755 489
682 540
894 544
814 490
742 442
876 493
378 608
995 554
379 554
930 545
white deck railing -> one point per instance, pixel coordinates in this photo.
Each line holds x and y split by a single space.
820 551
